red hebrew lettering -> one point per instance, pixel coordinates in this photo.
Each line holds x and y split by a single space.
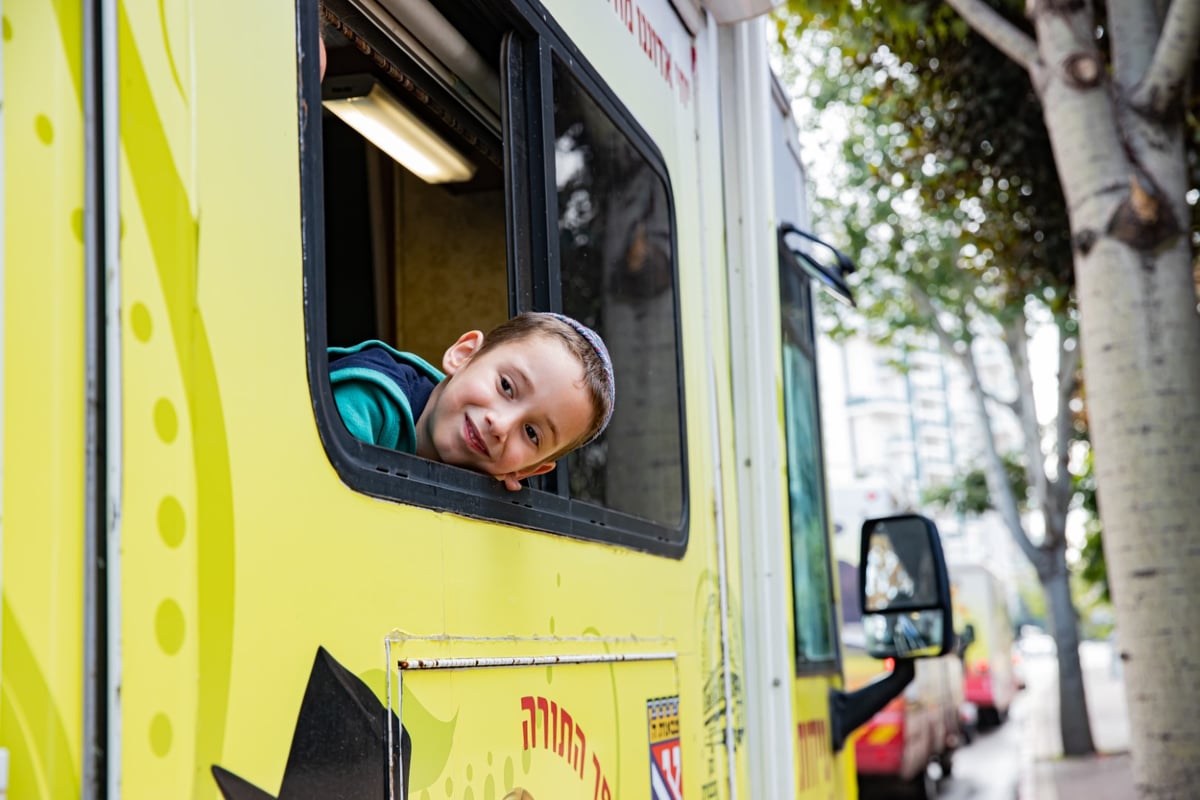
807 754
605 793
596 791
813 753
818 729
544 706
824 755
561 734
529 727
806 775
581 755
565 736
654 48
624 9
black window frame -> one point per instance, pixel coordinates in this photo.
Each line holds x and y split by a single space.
801 274
530 46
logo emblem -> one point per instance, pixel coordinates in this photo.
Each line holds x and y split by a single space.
666 772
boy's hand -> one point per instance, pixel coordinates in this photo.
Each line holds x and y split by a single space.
511 482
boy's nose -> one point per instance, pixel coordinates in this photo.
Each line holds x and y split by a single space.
499 424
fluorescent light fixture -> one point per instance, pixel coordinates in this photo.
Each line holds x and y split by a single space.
365 105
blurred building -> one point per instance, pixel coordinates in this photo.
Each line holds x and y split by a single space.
896 425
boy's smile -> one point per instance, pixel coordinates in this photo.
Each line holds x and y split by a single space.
506 412
471 434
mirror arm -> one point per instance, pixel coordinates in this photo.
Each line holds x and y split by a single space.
848 710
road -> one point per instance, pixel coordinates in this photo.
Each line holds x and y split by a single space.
989 768
998 764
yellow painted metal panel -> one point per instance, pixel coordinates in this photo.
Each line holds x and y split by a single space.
41 679
243 552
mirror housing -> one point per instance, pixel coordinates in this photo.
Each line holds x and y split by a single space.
904 592
904 588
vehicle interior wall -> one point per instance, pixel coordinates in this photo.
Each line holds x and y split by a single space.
409 262
449 263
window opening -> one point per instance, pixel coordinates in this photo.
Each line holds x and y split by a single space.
415 257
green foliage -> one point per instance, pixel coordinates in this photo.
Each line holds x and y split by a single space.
968 493
1092 568
943 185
947 139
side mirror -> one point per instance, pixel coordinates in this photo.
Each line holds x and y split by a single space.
904 588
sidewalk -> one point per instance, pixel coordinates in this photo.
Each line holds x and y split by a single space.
1045 773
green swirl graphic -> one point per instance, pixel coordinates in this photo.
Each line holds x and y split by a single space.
173 241
32 723
162 20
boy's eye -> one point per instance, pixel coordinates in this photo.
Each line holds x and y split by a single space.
531 432
505 386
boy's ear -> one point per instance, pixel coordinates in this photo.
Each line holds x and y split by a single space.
512 481
459 353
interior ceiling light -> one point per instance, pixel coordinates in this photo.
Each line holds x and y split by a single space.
365 105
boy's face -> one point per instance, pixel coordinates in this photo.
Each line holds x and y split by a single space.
507 411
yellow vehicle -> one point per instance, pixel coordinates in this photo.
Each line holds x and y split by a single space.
981 609
210 589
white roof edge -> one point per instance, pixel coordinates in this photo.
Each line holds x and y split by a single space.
729 11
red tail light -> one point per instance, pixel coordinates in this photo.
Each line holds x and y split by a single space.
889 664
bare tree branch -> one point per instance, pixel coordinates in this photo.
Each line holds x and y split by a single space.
1068 383
1015 405
1163 83
1132 26
1058 498
1016 340
1002 497
1007 38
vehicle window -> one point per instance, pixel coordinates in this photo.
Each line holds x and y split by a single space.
812 590
618 275
429 210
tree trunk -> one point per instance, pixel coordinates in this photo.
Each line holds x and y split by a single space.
1141 348
1141 360
1076 730
1118 144
1052 498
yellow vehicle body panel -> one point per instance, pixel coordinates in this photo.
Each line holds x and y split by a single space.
41 674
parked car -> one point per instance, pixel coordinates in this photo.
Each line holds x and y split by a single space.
919 728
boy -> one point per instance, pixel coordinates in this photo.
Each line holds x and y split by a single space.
509 404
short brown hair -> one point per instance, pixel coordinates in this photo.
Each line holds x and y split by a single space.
597 378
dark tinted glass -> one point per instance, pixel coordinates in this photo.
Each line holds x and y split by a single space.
812 591
618 276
